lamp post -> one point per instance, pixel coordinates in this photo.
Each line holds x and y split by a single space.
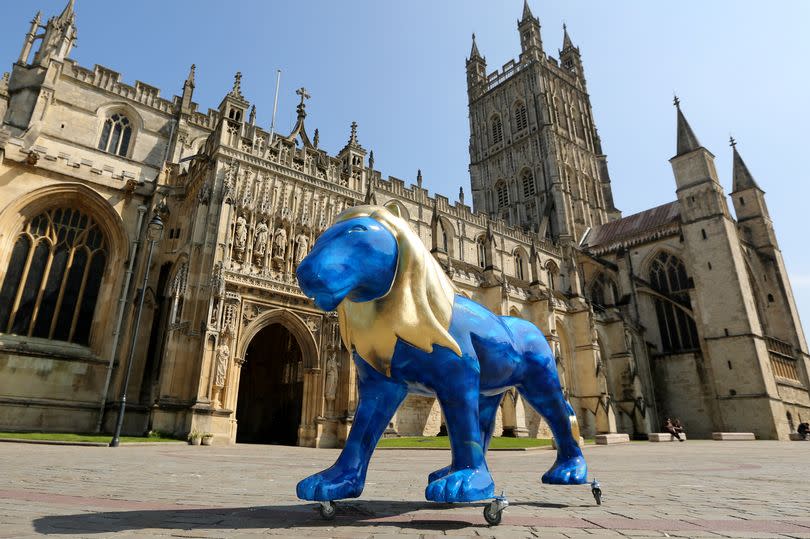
154 234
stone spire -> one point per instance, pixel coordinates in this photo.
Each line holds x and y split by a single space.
188 91
190 78
371 196
371 160
59 36
68 15
567 43
474 51
687 141
742 178
252 119
527 12
419 178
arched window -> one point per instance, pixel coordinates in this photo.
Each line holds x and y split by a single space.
444 239
116 134
497 129
521 116
178 293
603 291
678 331
502 192
553 272
520 265
54 276
527 179
480 244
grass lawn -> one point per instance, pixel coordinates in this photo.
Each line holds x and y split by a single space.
66 437
444 442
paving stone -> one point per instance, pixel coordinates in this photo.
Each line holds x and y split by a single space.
700 489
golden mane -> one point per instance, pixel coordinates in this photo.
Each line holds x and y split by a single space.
417 308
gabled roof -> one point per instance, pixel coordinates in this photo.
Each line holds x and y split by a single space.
634 229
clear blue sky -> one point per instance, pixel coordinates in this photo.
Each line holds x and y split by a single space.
397 68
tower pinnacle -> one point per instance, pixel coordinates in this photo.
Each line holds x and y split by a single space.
474 52
741 176
687 140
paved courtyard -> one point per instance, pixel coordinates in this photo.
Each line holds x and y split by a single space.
693 489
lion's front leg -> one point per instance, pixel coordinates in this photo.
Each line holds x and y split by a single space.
468 478
379 398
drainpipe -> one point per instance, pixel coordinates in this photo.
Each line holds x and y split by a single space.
133 250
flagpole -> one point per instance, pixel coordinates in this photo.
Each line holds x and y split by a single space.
275 107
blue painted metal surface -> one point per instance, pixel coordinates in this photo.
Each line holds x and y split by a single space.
357 258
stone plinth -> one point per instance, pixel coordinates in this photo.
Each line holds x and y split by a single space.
663 437
796 437
612 438
733 436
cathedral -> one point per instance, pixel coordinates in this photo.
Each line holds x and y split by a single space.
148 249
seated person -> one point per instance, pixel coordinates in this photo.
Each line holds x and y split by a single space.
669 426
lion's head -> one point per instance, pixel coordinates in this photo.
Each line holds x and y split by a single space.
384 283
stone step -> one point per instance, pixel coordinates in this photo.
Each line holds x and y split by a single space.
663 437
612 438
733 436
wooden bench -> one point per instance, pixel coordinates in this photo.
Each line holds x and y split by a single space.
663 437
733 436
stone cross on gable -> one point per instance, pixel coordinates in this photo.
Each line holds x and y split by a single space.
303 93
237 84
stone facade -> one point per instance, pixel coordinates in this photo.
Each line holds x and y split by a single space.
679 310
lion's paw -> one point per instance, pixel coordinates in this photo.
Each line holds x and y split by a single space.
467 485
438 474
330 484
570 471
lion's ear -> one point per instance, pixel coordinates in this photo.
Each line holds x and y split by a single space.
393 208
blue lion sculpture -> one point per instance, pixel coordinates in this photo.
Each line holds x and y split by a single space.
411 332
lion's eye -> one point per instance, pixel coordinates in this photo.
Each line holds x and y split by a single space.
358 228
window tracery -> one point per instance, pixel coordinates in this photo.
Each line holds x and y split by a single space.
116 135
54 277
678 331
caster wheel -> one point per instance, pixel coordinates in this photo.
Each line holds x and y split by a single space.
327 510
597 495
493 517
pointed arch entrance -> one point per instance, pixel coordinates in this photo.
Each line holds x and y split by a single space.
271 388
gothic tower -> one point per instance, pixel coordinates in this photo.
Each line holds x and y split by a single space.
733 340
535 157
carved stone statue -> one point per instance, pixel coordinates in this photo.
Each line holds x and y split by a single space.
260 239
240 235
330 387
223 352
280 243
301 247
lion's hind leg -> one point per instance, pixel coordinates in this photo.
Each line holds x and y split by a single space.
541 388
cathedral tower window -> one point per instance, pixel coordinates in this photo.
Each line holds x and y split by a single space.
520 265
502 192
53 279
603 291
116 135
480 244
668 277
521 116
497 129
527 179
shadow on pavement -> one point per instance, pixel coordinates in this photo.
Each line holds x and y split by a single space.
365 513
